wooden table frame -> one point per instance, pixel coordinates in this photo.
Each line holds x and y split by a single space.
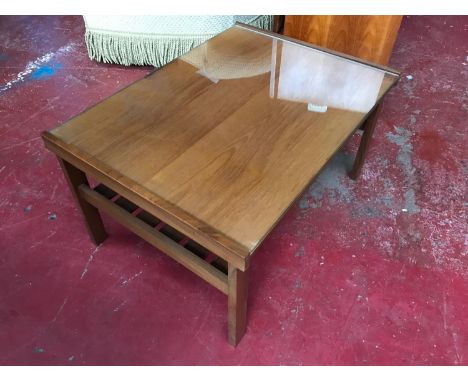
215 258
122 204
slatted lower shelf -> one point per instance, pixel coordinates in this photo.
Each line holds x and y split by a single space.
190 254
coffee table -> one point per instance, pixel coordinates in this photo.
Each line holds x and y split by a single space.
203 157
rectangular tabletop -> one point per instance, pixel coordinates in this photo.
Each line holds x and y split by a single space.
225 138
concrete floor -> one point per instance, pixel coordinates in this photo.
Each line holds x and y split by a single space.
367 272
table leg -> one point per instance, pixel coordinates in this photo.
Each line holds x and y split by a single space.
368 126
93 221
237 304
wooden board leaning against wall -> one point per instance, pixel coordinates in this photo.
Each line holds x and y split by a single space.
367 37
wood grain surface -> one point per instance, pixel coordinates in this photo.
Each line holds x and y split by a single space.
368 37
209 149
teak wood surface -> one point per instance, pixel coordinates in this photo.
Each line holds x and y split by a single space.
218 144
369 37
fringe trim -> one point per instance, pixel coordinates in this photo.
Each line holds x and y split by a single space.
154 50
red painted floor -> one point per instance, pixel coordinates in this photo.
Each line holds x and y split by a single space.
367 272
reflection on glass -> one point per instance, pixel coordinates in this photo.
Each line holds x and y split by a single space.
321 79
297 73
223 62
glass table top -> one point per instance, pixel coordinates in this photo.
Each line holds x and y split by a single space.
298 73
228 135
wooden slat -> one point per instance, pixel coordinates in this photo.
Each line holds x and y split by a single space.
105 191
220 264
148 218
126 204
172 233
157 239
198 249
